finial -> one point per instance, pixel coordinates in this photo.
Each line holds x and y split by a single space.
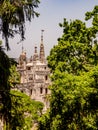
42 35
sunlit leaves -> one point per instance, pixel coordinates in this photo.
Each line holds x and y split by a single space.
74 50
14 77
24 111
74 64
74 99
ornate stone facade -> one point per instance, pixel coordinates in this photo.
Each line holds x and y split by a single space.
34 74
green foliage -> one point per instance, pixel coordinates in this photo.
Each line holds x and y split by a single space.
74 102
4 69
44 121
74 91
24 111
75 31
94 16
18 110
75 51
14 77
14 14
5 101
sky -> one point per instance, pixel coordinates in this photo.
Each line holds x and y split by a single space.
52 12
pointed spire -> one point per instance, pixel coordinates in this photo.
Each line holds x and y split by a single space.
35 49
42 36
35 56
42 53
22 57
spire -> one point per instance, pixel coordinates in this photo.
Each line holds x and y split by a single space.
42 53
22 57
42 36
35 56
35 49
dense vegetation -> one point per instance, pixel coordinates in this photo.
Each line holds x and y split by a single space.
24 111
5 101
74 65
18 110
13 15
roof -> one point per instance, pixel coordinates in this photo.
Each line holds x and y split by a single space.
29 64
39 63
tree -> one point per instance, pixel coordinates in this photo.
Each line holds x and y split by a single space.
73 102
74 93
14 77
24 111
18 110
13 15
94 16
74 51
5 64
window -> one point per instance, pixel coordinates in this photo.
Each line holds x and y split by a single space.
29 68
41 90
46 90
30 78
31 91
46 77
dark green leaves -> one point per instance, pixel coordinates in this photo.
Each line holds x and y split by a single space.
24 111
74 89
14 14
93 15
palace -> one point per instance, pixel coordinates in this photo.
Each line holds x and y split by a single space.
34 74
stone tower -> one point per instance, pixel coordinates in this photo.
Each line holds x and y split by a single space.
35 75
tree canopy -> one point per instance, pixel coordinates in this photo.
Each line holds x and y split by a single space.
5 101
24 111
14 77
74 90
94 16
75 50
13 15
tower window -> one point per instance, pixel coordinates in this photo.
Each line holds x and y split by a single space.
28 68
31 91
46 90
30 78
46 77
41 90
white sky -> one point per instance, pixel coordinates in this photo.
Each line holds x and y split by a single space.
52 12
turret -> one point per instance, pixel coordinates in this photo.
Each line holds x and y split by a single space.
35 56
22 59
